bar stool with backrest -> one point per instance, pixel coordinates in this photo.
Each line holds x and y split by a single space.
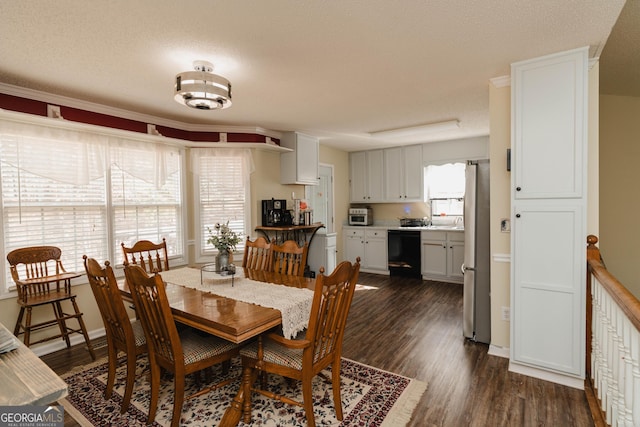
179 353
41 279
321 347
122 334
289 258
148 255
257 254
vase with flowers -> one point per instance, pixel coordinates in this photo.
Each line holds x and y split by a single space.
225 240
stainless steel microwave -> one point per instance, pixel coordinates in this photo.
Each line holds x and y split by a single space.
360 216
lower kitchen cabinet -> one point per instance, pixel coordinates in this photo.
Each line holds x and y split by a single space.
322 253
442 255
370 244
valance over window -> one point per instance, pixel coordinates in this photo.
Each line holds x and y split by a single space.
42 150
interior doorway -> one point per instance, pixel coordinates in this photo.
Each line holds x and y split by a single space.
320 198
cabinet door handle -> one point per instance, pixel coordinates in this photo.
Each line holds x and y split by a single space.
517 215
518 188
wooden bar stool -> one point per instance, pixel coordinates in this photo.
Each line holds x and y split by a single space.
42 280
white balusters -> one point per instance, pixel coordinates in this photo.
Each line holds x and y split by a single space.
615 360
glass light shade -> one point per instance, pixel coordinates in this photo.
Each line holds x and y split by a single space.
203 90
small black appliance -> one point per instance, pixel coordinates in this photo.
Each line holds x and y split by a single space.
273 212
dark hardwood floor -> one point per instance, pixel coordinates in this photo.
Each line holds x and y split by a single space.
414 328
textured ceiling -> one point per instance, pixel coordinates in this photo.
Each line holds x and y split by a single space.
334 69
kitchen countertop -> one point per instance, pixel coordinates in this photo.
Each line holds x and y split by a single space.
423 228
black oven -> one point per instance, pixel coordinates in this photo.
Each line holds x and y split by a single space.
404 253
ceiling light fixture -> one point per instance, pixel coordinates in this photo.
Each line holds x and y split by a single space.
416 132
201 89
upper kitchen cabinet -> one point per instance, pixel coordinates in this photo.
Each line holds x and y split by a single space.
549 127
403 171
366 176
299 166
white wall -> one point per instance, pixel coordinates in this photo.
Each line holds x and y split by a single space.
619 175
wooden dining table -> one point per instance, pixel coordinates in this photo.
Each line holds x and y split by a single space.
223 317
227 318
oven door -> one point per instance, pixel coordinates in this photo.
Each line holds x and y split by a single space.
357 219
404 253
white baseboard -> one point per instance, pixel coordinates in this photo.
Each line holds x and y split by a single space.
51 346
494 350
542 374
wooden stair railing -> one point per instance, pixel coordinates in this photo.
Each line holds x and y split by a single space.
612 384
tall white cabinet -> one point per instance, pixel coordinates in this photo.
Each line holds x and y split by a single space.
548 200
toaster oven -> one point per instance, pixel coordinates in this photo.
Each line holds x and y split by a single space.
360 216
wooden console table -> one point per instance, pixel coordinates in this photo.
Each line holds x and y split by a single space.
300 233
26 379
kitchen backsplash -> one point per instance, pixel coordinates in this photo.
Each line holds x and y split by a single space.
387 212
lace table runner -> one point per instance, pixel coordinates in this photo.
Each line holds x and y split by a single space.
294 304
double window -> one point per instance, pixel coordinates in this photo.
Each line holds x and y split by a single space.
87 192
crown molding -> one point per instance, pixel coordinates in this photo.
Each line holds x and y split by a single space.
50 98
502 81
61 123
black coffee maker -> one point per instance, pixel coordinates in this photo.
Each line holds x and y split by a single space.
273 212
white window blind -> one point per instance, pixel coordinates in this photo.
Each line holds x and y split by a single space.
38 210
86 197
223 186
144 209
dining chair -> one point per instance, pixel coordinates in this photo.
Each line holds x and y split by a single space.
257 254
148 255
289 258
122 334
303 359
180 353
41 280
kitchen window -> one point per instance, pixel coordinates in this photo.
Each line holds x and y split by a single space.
444 181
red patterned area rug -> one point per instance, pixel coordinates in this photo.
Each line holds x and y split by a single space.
370 397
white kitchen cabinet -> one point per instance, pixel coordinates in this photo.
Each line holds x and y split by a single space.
455 255
353 243
442 255
548 298
375 250
299 166
370 244
366 176
403 171
548 237
322 253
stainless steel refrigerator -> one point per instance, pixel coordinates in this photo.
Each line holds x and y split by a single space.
477 256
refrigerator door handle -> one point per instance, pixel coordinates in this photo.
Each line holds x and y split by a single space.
464 268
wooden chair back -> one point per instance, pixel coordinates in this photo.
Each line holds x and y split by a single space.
150 256
329 311
289 258
150 299
321 347
120 332
180 353
35 262
257 254
104 285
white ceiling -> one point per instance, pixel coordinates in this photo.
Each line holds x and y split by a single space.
338 69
